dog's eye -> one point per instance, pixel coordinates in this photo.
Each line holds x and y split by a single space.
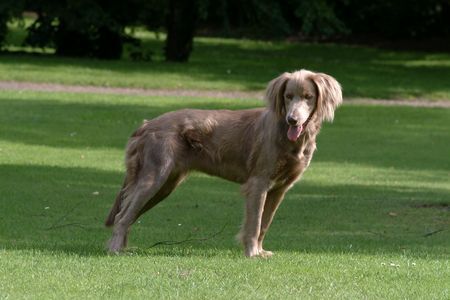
308 96
289 96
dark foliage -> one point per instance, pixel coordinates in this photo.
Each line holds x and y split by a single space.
325 19
93 28
8 9
258 18
3 28
396 18
96 28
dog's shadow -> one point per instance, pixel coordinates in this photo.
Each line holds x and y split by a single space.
61 210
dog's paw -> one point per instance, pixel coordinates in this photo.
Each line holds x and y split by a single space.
265 254
114 253
112 249
255 252
116 245
252 252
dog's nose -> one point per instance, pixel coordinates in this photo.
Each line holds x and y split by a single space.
292 121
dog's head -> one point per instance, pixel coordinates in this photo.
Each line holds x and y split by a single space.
296 97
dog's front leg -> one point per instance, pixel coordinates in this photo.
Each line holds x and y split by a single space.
255 191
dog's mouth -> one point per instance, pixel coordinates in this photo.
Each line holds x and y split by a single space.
294 132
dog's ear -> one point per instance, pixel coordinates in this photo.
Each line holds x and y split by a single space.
275 94
329 97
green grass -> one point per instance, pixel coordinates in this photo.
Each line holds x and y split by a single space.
354 227
228 64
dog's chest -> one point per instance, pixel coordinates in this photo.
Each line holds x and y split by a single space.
290 165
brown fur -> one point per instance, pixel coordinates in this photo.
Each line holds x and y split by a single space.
250 147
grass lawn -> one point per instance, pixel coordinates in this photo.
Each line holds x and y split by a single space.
370 218
228 64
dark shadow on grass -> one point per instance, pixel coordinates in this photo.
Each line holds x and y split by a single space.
313 219
394 137
363 72
56 124
390 137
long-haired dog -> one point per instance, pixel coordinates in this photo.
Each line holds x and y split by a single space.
266 150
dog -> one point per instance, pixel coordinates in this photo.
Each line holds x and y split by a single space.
266 150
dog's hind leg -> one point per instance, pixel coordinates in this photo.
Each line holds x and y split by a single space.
151 179
169 186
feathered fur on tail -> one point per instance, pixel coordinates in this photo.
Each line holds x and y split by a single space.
133 163
115 209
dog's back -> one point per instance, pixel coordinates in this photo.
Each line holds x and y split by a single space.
216 142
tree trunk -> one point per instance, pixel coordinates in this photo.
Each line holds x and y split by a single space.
181 24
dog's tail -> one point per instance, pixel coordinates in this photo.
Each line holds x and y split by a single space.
133 163
115 209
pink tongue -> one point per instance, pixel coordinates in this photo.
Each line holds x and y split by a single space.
294 132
